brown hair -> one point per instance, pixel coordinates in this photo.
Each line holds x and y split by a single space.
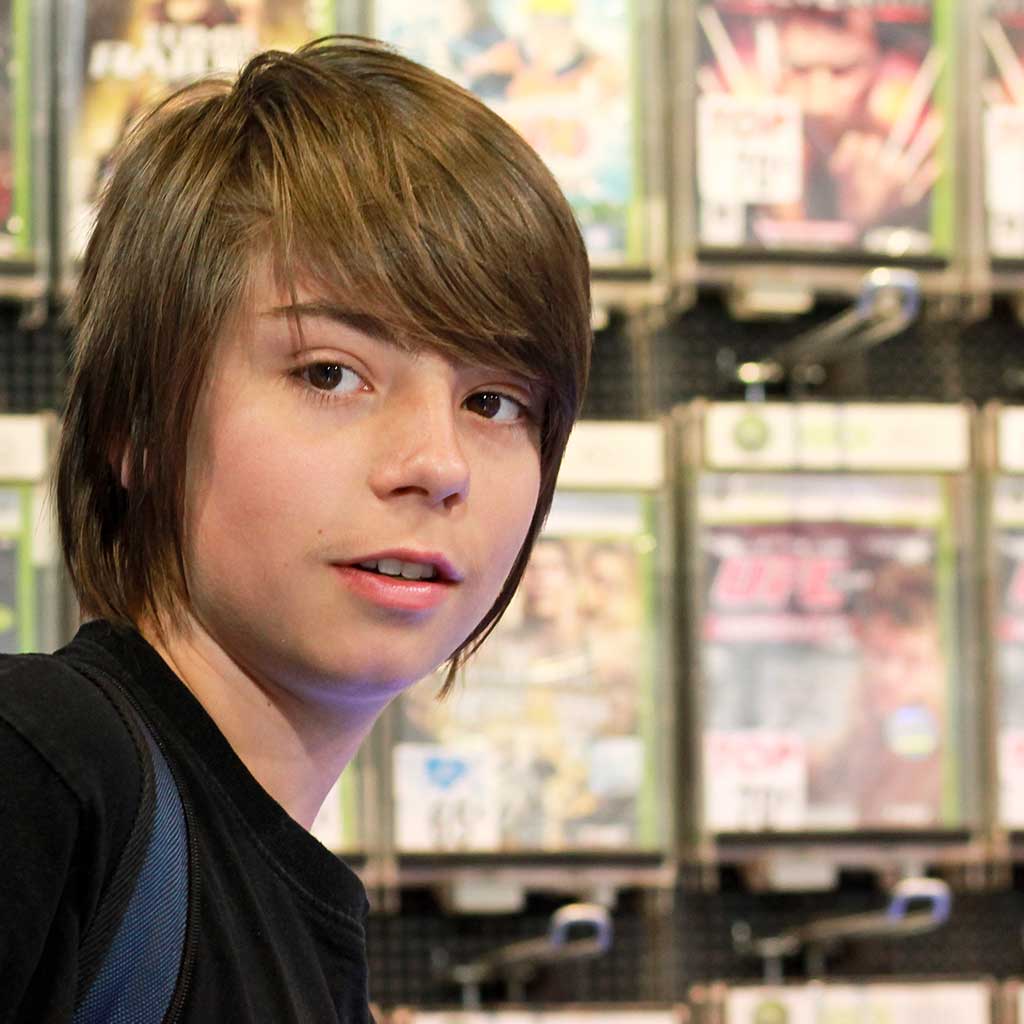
379 183
902 595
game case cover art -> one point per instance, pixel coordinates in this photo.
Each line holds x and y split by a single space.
547 741
827 654
564 74
16 147
821 126
136 52
1002 99
1008 639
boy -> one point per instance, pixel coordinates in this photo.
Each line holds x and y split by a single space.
332 332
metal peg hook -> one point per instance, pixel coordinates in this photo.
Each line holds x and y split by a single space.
889 301
921 890
517 962
898 920
574 915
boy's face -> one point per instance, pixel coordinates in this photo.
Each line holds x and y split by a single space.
304 464
903 664
827 68
547 582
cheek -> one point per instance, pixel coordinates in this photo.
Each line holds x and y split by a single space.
252 485
506 520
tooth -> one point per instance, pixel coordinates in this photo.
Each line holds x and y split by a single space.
412 570
368 565
427 572
390 566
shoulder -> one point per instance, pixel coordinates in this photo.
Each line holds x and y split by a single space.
72 726
69 795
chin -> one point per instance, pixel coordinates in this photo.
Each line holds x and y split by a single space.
388 675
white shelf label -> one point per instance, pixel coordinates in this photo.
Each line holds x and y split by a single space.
24 445
775 435
614 455
1011 440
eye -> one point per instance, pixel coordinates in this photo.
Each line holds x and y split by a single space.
336 378
493 405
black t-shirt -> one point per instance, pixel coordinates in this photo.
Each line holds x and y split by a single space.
280 933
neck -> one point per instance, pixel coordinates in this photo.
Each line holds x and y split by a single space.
295 739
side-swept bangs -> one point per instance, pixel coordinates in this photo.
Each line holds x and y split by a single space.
381 186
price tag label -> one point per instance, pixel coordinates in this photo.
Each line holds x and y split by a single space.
751 149
447 797
756 780
1004 171
1004 152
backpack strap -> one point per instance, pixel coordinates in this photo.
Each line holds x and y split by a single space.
132 954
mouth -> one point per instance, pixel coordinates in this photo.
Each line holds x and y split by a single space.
412 567
404 581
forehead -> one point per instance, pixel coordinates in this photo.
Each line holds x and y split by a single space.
305 307
816 40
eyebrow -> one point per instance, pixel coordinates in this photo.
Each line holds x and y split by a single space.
321 309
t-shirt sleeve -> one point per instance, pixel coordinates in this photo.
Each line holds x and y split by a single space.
69 784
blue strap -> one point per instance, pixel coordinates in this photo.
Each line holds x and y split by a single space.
138 977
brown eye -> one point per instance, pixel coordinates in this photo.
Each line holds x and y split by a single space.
493 405
325 375
335 377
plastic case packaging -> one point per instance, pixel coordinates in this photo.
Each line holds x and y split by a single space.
824 127
952 1002
32 608
24 93
570 76
125 55
1002 32
1006 544
17 31
827 545
552 738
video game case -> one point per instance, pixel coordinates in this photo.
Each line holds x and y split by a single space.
829 652
566 75
19 51
136 52
825 127
549 741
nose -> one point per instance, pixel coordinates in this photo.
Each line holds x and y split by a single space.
420 451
